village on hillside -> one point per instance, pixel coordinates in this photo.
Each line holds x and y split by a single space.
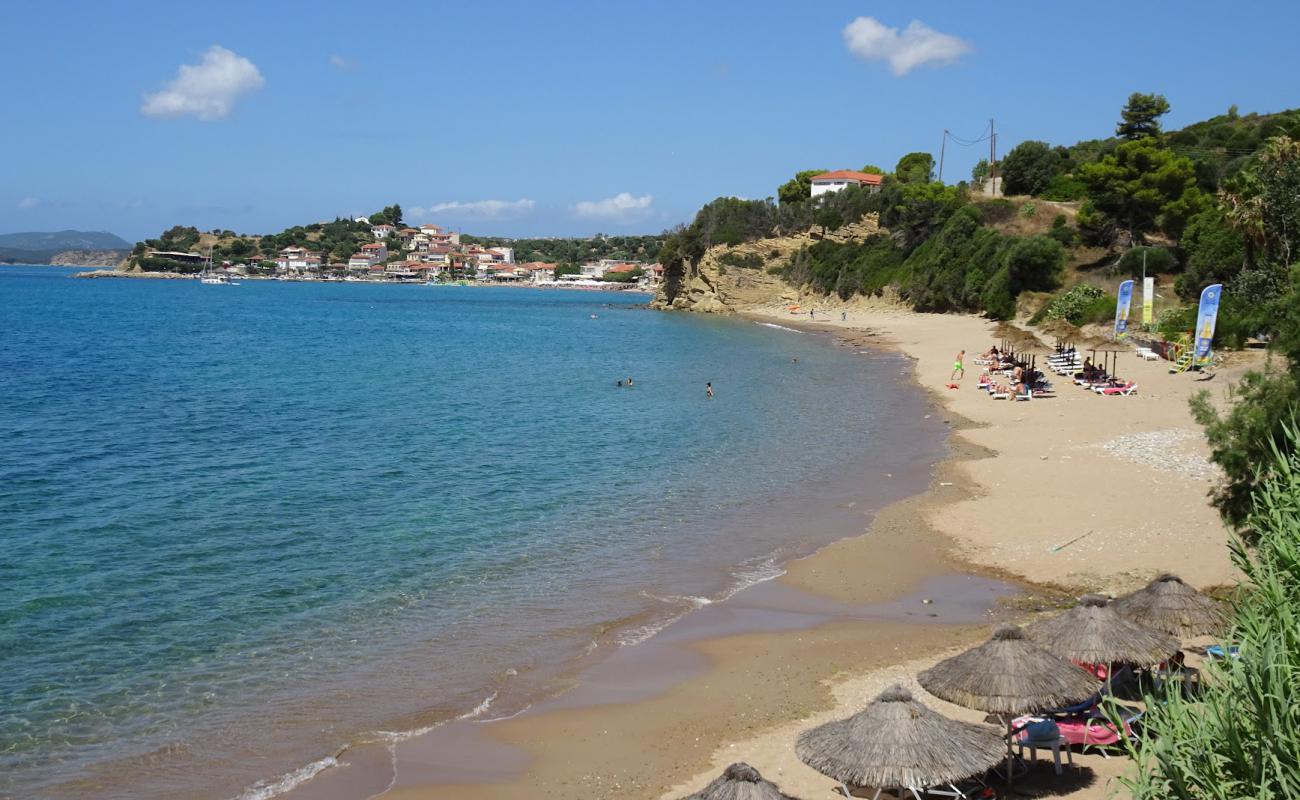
427 254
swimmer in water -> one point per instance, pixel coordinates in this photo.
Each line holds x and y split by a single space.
708 390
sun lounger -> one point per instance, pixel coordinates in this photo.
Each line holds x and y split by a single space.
1028 395
1127 389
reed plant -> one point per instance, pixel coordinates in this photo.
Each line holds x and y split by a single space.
1239 737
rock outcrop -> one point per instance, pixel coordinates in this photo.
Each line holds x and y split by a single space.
717 284
89 258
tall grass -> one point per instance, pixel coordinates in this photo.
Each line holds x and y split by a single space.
1240 738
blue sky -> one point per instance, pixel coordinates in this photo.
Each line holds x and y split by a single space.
525 118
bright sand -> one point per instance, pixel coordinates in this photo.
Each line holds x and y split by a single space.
1032 492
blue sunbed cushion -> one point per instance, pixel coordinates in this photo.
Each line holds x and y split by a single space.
1042 731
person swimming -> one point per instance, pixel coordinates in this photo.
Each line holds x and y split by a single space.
708 390
629 383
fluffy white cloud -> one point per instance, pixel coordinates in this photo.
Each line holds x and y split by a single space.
207 90
341 62
917 44
30 202
485 209
622 206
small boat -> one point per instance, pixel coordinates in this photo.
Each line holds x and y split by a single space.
216 280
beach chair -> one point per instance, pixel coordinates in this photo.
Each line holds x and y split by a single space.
1028 395
1044 734
1126 389
1147 354
999 395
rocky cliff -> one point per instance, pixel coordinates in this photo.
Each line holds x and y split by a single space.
730 279
89 258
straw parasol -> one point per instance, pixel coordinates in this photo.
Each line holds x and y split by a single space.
1094 633
1008 675
1170 605
740 781
898 742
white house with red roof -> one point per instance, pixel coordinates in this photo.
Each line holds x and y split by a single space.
840 179
368 256
382 230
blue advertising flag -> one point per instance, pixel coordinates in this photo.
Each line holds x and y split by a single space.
1122 306
1205 319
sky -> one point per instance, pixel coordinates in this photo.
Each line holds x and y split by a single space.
519 118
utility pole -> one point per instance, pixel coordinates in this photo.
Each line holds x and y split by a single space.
993 161
942 146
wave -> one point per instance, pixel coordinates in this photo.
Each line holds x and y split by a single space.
778 327
264 790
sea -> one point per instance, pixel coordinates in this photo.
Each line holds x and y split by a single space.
245 527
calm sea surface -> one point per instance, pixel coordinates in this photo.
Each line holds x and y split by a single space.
241 527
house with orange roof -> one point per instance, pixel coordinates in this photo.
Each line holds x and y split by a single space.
382 230
840 179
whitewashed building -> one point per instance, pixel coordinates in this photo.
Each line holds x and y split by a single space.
841 179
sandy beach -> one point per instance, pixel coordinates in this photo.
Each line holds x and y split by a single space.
1052 497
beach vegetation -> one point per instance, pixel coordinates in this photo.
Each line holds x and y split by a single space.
1079 305
1239 736
1158 260
980 172
872 169
1215 252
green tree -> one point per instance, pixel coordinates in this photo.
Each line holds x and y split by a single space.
1096 229
915 168
798 188
1215 252
1144 186
1035 263
872 169
1141 116
980 172
1029 168
829 218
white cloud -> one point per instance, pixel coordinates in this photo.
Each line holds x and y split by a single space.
622 206
917 45
485 209
207 90
30 202
341 62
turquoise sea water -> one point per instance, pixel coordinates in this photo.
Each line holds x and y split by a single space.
243 526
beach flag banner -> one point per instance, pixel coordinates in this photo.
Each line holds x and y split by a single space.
1122 307
1148 300
1205 319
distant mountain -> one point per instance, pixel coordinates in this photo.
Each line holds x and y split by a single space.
56 241
63 247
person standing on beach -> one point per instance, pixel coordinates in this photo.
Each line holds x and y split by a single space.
708 390
844 316
812 314
959 367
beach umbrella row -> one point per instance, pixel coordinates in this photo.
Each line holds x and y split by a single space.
1093 632
898 742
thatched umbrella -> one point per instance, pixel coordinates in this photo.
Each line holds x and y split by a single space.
898 742
1170 605
1008 675
1094 633
740 781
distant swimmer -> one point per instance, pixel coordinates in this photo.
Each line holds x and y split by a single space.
629 383
593 316
708 389
620 383
794 360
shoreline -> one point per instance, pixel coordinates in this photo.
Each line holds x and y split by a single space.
982 480
537 753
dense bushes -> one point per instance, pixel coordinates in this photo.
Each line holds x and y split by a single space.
964 266
742 260
1080 305
1215 253
1158 259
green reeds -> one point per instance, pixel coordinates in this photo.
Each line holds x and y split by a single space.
1239 737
